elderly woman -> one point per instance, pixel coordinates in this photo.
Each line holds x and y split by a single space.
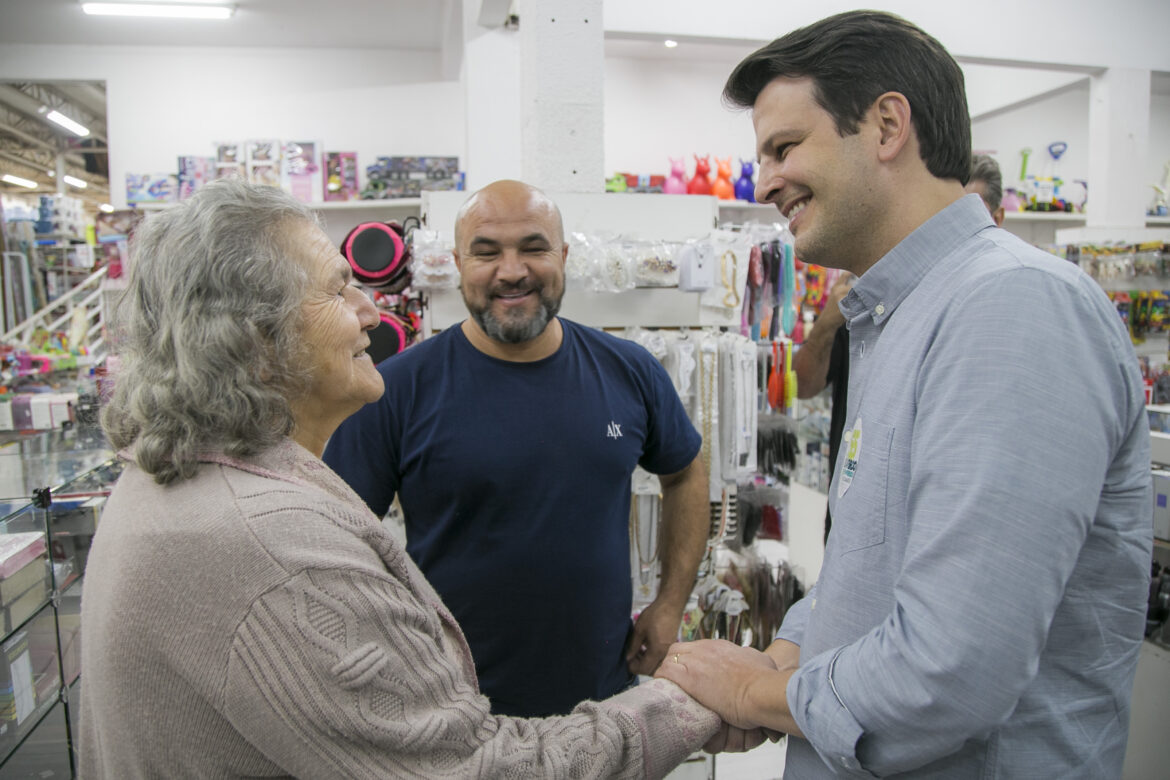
244 613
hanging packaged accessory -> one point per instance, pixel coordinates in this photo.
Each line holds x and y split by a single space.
775 381
432 266
696 261
379 255
789 315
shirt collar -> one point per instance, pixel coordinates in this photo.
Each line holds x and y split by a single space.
886 284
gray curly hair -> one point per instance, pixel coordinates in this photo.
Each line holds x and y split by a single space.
209 329
984 168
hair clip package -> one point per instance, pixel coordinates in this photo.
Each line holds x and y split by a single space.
583 261
654 264
433 262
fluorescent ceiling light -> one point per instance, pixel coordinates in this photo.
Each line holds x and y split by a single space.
106 207
67 123
189 11
8 177
668 43
76 182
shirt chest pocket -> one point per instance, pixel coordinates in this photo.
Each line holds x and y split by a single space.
861 486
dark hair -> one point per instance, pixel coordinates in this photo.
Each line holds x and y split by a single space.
855 57
985 169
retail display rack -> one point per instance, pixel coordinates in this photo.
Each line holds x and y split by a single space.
54 484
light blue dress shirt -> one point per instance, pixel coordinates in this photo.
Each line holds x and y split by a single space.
981 603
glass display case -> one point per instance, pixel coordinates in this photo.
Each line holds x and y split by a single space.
53 485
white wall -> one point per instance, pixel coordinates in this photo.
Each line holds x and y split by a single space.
1159 155
166 102
1060 117
659 108
656 109
1063 117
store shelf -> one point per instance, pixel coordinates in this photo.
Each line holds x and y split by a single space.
1113 235
40 656
395 204
730 210
387 203
1138 283
1043 216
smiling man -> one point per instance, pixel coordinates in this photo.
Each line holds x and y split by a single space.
982 598
510 442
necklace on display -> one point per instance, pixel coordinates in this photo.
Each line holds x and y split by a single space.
645 538
731 297
685 349
746 399
707 366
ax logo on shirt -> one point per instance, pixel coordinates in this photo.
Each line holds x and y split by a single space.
613 431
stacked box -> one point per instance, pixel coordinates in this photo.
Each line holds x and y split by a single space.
23 593
194 172
341 175
408 177
151 187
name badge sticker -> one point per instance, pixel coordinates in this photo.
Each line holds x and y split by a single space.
852 455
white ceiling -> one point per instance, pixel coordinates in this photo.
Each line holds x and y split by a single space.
397 24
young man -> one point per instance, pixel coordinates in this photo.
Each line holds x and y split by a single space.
982 599
510 442
823 359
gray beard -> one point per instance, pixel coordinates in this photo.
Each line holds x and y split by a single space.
516 332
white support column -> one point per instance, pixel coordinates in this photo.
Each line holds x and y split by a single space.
491 62
1119 129
562 60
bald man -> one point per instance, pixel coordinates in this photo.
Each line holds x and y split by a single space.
510 442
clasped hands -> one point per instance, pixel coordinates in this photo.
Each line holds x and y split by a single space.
720 675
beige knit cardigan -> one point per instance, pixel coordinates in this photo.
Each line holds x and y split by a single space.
257 621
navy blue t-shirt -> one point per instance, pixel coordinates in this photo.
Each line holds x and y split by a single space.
514 479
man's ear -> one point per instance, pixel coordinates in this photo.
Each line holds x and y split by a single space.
565 253
458 260
998 215
891 113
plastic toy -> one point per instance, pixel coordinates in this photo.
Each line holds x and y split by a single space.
815 288
1012 200
676 183
1075 195
341 176
616 183
745 188
1025 153
700 184
723 188
1159 206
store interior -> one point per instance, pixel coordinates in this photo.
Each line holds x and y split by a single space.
1076 97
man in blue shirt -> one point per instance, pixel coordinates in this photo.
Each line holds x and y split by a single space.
981 604
510 442
823 358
